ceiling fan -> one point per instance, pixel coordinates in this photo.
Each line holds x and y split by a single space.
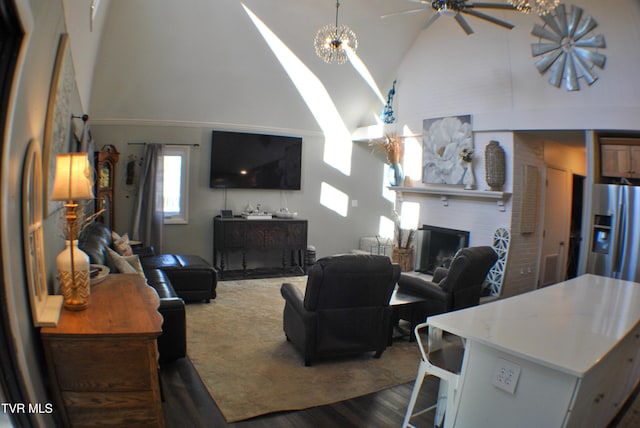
456 8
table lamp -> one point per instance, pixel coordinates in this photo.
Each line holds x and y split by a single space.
72 183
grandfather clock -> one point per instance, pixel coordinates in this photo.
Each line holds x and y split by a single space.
106 174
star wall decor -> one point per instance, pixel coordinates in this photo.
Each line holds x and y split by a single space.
567 48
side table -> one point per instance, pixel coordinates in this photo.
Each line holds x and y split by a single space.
398 299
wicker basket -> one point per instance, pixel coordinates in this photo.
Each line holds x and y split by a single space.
404 257
494 163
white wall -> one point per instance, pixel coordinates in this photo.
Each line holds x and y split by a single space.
329 232
84 39
491 75
204 61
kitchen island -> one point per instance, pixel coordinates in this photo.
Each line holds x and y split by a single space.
567 355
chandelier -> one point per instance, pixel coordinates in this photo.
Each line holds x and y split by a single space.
332 41
541 7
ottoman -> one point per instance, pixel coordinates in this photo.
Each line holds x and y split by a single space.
193 278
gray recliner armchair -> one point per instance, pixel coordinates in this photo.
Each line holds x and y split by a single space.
345 308
457 287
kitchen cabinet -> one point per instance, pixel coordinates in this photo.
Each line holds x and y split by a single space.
620 157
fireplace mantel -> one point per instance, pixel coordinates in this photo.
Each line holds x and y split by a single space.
445 192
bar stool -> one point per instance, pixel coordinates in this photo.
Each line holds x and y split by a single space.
443 360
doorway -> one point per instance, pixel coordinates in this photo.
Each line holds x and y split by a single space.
575 235
555 236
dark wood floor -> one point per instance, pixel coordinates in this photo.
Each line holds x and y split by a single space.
187 403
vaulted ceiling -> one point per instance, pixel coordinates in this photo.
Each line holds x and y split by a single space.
205 61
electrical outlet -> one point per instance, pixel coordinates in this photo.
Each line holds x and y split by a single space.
506 375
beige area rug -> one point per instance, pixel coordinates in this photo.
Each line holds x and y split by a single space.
239 349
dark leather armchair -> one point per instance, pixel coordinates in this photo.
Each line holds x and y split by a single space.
451 289
345 308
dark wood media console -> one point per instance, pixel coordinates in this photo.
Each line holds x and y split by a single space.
288 237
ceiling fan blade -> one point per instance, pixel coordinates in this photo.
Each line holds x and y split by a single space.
489 18
463 23
404 12
431 20
490 6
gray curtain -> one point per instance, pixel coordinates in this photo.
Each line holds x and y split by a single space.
148 219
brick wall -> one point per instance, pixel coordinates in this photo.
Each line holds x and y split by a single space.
522 262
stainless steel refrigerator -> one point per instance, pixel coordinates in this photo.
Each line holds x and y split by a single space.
615 240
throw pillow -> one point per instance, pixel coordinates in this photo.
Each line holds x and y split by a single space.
125 264
121 244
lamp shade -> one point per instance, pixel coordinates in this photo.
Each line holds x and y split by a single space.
73 178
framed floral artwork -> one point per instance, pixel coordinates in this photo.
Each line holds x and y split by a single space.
57 129
447 150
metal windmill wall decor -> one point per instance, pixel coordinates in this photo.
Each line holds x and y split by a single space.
567 47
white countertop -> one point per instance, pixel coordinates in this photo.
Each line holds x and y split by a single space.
567 326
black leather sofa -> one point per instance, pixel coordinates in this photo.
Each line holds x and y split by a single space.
197 277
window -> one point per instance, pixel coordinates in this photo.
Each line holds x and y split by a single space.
176 184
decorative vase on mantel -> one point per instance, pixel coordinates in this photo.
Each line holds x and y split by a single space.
395 174
494 164
468 179
74 283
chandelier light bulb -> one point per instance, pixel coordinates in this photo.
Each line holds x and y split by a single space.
540 7
332 42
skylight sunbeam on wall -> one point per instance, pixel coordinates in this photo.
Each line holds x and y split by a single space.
363 71
338 145
334 199
412 162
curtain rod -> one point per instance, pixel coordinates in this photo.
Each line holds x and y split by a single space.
165 144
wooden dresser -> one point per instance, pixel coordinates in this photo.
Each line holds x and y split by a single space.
103 361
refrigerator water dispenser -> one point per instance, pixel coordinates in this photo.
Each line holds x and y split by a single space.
601 234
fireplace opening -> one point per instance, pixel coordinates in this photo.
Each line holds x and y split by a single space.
436 247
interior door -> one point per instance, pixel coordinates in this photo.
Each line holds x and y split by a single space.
557 217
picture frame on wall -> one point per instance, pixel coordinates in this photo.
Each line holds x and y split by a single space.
58 129
45 308
446 144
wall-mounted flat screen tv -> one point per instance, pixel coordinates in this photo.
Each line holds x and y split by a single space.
255 161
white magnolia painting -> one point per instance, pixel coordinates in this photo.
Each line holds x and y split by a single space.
447 147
